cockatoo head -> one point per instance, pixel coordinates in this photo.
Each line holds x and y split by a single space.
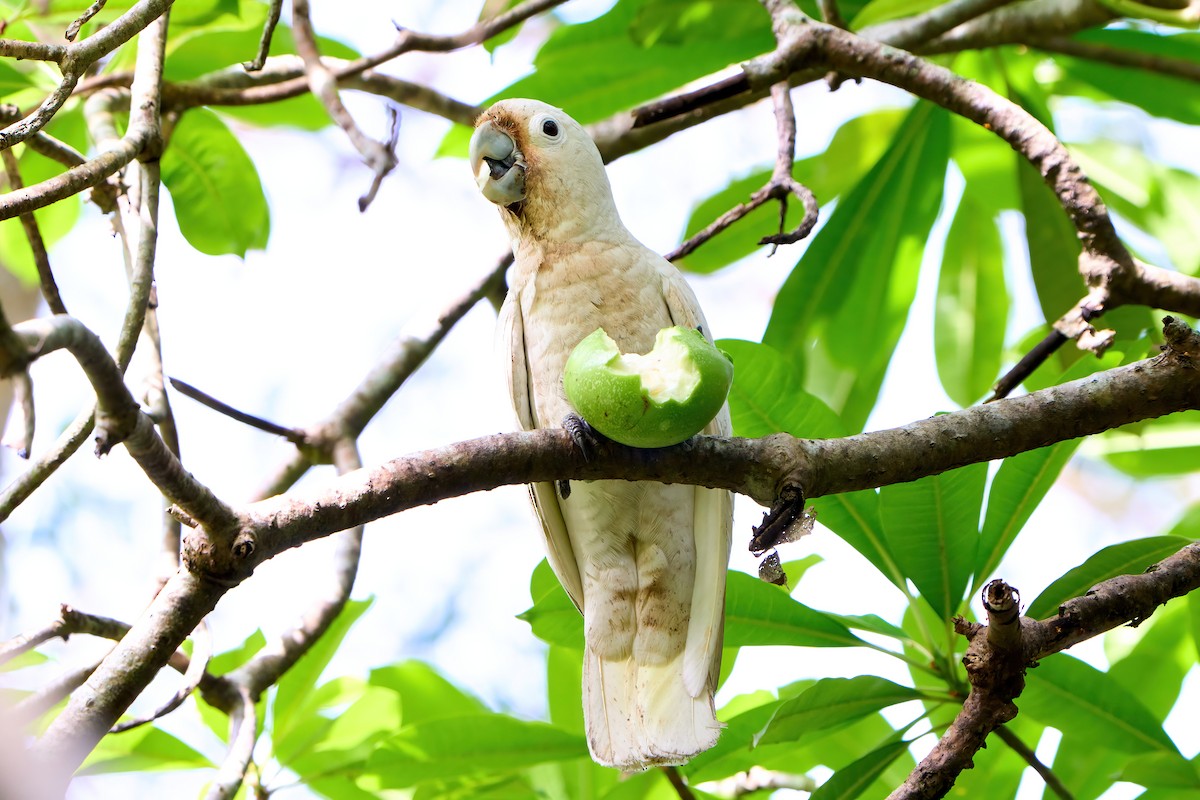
542 169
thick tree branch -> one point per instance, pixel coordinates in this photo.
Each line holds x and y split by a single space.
757 468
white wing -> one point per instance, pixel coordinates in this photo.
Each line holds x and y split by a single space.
511 344
713 529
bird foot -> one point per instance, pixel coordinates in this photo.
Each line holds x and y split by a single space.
585 437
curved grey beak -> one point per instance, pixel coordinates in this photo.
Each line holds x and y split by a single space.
498 166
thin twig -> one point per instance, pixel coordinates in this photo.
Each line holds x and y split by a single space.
201 653
1052 781
380 157
33 235
294 435
274 8
243 726
82 19
678 783
779 187
1029 362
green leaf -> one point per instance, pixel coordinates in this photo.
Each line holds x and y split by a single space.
553 617
1052 245
758 613
851 781
142 749
1126 558
1162 771
214 186
235 40
55 220
608 65
424 693
855 146
1017 489
872 623
1159 655
932 526
224 663
1154 92
854 516
1070 695
1166 446
30 658
846 302
345 744
972 301
12 79
1158 199
456 746
564 687
878 11
294 696
831 703
767 397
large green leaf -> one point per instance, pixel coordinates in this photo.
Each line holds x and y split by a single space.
455 746
424 693
553 617
1165 446
831 703
855 146
230 41
854 779
842 309
144 749
854 516
1119 559
564 687
1160 200
758 613
932 526
344 745
1052 246
767 396
972 302
639 50
55 220
214 186
1017 489
1163 771
1159 658
1157 93
1071 695
294 696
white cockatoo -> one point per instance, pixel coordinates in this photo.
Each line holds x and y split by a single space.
645 562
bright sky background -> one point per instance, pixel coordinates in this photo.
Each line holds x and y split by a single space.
289 332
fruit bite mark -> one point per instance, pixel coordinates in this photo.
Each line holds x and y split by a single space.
667 372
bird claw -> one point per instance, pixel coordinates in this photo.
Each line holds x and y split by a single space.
585 437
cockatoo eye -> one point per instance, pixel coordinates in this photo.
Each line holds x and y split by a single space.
546 128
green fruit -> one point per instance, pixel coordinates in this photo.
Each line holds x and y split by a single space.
654 400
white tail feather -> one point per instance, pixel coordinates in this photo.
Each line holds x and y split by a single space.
641 715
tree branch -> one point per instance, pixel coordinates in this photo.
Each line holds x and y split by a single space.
996 662
757 468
